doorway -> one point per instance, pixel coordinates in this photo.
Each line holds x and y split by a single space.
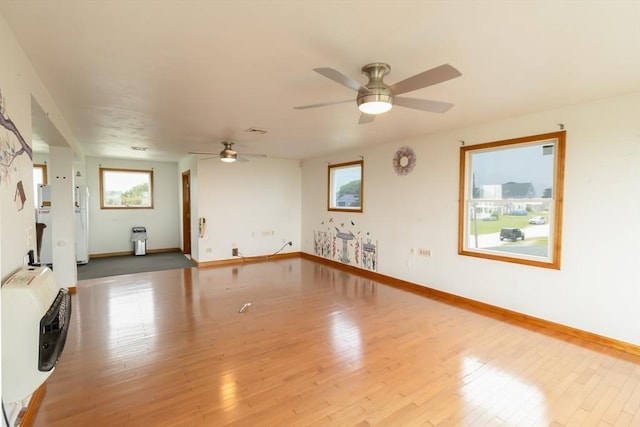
186 212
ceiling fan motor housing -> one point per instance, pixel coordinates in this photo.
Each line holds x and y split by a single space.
375 90
228 154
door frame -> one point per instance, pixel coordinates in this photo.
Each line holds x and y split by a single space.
186 212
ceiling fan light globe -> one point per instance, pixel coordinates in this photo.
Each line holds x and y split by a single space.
228 155
374 103
375 107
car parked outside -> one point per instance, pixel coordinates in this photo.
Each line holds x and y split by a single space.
538 220
512 234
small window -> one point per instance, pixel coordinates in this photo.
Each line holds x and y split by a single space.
126 189
511 200
39 178
345 187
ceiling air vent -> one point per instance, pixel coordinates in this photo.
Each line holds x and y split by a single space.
256 130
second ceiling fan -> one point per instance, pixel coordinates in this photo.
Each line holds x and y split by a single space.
228 154
377 97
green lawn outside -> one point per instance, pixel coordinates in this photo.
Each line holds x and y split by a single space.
505 221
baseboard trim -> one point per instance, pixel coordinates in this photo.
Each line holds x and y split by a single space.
481 307
128 253
243 260
34 404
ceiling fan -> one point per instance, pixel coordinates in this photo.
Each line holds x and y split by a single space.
376 97
228 154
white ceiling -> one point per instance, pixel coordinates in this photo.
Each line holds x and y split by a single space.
180 76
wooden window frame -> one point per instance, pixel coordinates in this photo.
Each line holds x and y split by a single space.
117 170
467 185
42 166
331 171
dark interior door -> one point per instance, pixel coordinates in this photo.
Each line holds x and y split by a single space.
186 212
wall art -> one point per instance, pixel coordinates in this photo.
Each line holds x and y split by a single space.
343 242
12 147
404 161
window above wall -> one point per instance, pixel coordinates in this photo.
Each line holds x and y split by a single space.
345 187
126 189
511 196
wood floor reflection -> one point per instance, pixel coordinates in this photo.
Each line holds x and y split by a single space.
317 346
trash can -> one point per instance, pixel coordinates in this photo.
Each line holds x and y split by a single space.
139 239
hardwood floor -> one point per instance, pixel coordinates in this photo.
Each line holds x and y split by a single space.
318 346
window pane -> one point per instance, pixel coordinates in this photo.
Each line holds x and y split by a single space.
345 187
122 188
39 178
510 210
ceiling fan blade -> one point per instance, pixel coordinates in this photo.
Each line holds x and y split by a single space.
366 118
338 77
427 78
423 104
324 104
218 155
201 153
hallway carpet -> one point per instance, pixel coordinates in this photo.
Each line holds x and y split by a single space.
117 265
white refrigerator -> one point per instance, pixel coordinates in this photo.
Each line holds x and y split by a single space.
82 224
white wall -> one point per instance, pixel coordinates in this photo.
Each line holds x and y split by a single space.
254 206
110 230
598 286
19 82
63 227
16 104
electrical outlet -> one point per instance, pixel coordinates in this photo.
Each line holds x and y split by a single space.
234 251
208 250
29 236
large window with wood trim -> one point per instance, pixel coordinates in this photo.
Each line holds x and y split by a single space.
126 189
511 196
345 187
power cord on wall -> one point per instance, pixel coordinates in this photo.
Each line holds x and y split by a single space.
290 243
